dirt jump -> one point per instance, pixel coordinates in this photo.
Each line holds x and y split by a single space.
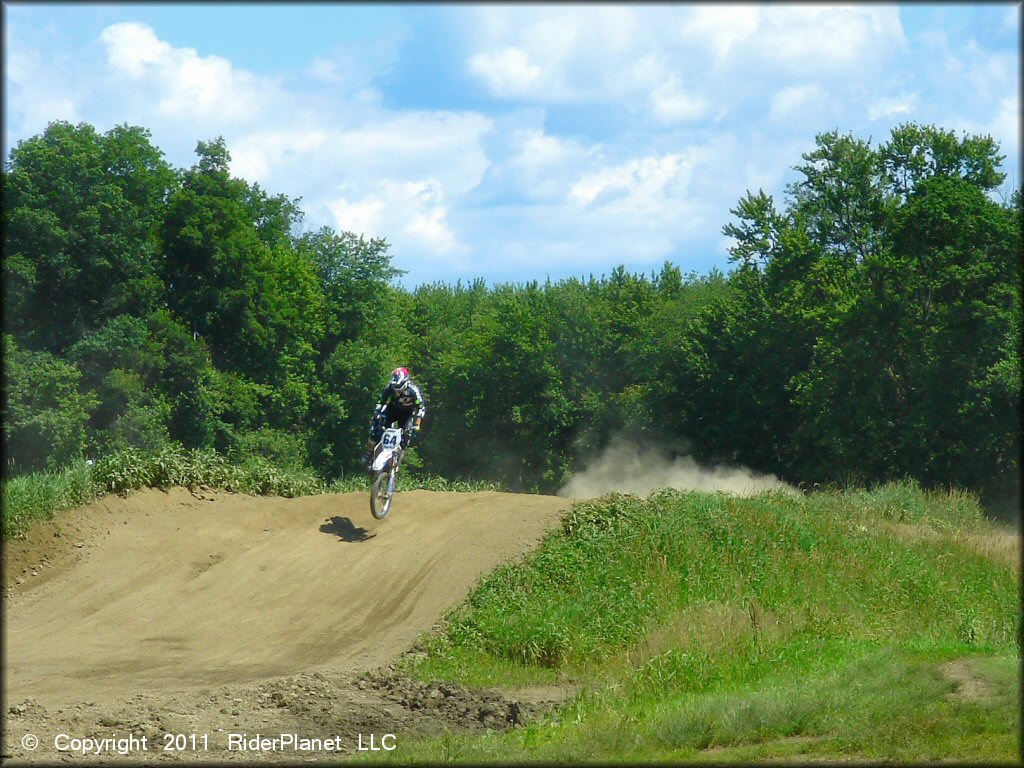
208 615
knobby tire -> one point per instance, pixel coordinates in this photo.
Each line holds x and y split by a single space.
380 502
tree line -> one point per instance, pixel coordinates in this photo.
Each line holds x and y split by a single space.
868 329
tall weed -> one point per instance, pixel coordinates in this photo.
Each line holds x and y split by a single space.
28 499
36 497
825 566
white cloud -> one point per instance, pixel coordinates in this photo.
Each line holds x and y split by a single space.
327 71
540 151
671 104
903 104
597 209
1005 125
427 222
990 74
722 27
508 72
447 144
255 155
541 166
555 53
134 48
692 105
35 96
396 171
353 66
542 50
1002 123
679 64
647 174
649 185
394 175
794 99
412 215
185 84
39 112
828 36
363 216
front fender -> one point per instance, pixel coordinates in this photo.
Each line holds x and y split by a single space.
382 459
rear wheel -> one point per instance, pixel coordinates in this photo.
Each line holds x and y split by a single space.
380 498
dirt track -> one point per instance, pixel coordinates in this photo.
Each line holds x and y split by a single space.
168 602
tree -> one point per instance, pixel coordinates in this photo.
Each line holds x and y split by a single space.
236 279
501 409
355 273
888 295
363 336
80 215
45 414
211 250
188 380
121 364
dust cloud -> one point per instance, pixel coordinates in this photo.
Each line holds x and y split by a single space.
628 467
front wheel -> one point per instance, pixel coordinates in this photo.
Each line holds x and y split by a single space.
381 496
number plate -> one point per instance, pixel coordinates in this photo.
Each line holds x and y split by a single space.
390 439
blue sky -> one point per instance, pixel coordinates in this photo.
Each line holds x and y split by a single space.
516 142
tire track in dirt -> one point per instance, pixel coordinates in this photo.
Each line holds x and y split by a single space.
178 591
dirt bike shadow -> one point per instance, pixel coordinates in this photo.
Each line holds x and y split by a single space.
346 530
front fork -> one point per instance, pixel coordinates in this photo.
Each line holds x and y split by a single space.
393 476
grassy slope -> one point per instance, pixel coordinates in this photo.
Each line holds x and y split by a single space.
709 627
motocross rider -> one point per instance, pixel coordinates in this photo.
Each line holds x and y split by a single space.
401 401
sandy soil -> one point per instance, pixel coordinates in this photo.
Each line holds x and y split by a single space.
209 614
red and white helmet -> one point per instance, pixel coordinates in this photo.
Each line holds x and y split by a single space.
400 379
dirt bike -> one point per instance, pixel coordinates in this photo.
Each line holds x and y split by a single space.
387 456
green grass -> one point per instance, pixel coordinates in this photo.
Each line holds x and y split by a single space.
37 497
702 627
31 498
711 627
886 704
847 701
622 565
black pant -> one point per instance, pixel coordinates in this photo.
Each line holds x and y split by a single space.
394 413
